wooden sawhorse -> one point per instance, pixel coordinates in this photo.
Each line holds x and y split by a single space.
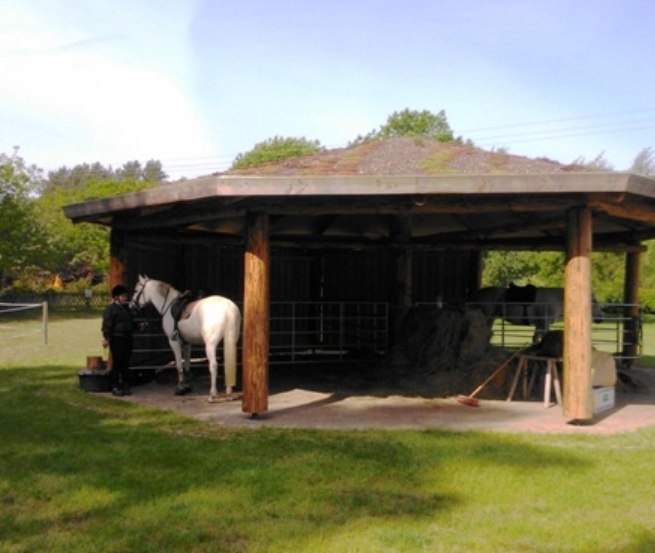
551 378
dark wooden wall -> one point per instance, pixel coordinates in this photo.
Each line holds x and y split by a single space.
300 276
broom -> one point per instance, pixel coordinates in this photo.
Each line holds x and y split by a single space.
471 400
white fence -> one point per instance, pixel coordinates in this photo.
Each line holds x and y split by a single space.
8 326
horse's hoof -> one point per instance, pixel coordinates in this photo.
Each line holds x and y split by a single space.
182 390
221 398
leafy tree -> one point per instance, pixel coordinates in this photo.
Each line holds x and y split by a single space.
412 123
522 267
644 163
547 269
72 246
608 276
276 149
647 285
153 172
21 245
129 171
79 176
36 234
132 171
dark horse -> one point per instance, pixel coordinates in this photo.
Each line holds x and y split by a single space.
526 305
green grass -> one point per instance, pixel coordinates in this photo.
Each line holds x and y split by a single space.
84 473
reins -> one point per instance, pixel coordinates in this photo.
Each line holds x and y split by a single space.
164 308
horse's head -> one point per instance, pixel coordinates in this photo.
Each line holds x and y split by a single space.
140 296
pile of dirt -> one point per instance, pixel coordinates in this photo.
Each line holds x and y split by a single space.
442 352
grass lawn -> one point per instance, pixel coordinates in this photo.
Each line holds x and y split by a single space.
82 473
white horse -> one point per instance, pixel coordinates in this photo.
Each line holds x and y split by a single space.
529 305
209 320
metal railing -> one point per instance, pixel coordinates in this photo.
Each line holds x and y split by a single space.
307 332
616 333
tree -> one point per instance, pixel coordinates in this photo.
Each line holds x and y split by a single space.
22 240
276 149
72 246
644 163
538 268
130 171
153 172
418 124
80 175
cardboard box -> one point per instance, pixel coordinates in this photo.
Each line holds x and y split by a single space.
603 398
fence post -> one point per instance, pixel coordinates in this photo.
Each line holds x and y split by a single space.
45 322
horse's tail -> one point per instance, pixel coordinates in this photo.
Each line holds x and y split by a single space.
230 340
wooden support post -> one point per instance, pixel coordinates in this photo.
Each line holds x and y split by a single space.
474 280
401 301
578 400
256 315
631 326
117 247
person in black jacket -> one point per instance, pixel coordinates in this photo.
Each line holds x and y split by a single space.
117 328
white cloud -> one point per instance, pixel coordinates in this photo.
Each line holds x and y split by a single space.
96 90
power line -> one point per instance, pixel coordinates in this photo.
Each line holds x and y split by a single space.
561 120
568 132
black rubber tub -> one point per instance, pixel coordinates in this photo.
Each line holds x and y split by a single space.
95 381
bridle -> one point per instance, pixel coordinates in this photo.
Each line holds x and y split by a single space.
138 293
141 285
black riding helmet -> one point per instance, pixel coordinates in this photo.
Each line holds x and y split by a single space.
118 290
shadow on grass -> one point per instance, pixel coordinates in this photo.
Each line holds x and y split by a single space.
135 478
643 542
159 464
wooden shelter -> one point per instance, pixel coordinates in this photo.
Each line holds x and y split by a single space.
394 225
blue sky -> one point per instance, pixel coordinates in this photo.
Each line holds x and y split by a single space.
195 82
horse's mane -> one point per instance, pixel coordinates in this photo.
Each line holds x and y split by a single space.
163 288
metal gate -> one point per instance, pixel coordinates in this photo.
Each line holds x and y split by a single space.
303 331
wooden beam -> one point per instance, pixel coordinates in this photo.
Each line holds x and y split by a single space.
578 400
117 249
549 227
256 315
630 209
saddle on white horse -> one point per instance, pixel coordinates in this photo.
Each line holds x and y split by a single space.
182 307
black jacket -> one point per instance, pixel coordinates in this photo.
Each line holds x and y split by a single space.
117 321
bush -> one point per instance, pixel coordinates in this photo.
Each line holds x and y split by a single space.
276 149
